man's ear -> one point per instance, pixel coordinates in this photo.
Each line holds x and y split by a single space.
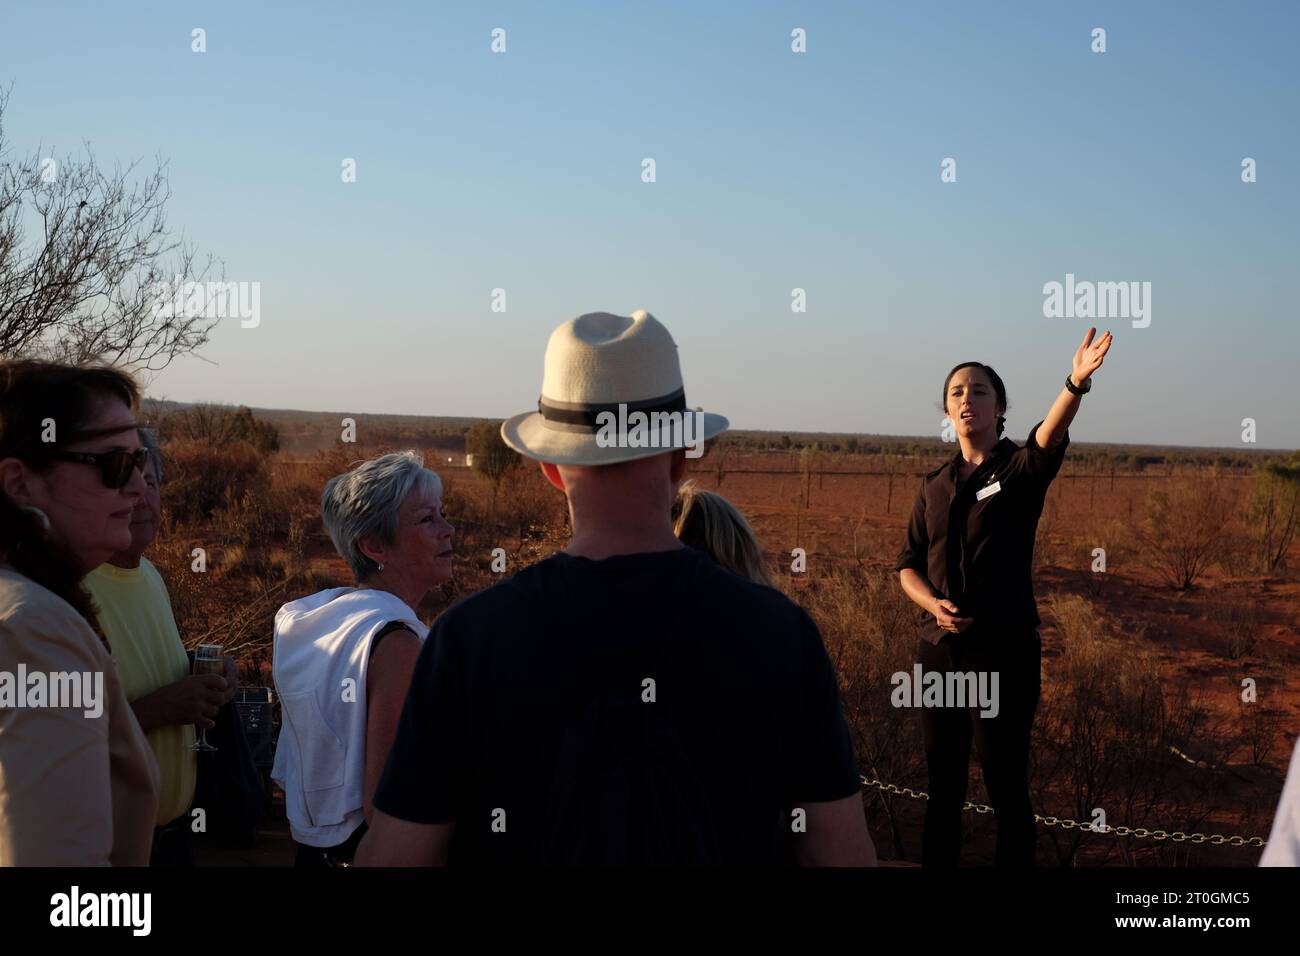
677 466
552 474
16 482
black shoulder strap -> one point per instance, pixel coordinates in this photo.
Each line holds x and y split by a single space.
384 631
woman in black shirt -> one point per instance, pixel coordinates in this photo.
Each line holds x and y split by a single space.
968 563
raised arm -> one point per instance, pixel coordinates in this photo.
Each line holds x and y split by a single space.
1087 359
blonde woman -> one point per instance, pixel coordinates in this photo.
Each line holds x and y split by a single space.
710 523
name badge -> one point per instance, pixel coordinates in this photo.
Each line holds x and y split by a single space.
987 490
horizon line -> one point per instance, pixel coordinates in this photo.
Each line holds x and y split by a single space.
765 431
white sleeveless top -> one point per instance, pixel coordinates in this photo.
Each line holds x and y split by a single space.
320 657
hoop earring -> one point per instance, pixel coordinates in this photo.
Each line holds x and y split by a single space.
41 517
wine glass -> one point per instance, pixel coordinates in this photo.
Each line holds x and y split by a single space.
207 660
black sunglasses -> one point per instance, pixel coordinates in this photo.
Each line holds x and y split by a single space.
114 466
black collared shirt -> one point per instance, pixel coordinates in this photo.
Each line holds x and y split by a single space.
979 554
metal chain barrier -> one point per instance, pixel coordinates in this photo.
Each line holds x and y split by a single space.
1215 839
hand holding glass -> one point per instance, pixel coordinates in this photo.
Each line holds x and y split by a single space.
207 660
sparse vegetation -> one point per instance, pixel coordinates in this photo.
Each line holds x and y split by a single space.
1185 524
1118 726
218 425
1275 511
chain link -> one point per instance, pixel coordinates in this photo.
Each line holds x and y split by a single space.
1177 836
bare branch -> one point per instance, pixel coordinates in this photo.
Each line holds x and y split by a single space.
83 255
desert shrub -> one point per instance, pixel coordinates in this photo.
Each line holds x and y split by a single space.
1236 621
218 425
1240 554
1259 726
1184 529
1274 514
203 477
260 517
187 588
869 627
1107 734
531 506
1115 539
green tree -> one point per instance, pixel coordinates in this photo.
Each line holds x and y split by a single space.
492 459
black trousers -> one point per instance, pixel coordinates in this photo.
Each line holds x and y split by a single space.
1002 742
341 855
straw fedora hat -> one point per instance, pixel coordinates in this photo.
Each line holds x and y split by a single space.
601 370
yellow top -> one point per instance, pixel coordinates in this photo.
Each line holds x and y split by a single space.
136 616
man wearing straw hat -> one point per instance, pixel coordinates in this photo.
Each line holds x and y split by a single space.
625 701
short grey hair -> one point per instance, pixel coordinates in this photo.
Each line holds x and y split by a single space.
365 501
150 442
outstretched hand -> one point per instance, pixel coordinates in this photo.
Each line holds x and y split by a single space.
1090 356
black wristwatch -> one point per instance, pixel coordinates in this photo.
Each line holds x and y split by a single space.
1075 389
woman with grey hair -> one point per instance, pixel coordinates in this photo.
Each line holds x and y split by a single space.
343 658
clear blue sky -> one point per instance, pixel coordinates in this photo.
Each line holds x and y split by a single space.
775 170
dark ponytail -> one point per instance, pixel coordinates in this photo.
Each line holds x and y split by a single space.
995 379
30 393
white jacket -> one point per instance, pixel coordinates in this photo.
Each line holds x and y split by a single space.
319 662
1284 842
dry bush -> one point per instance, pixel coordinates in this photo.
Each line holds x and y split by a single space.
260 517
1239 555
201 478
1116 539
311 476
531 505
218 425
1259 726
462 503
1108 736
1235 618
1184 529
187 589
869 627
1274 511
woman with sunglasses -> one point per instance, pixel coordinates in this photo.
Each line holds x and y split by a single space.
78 782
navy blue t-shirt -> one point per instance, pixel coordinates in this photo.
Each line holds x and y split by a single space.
740 671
